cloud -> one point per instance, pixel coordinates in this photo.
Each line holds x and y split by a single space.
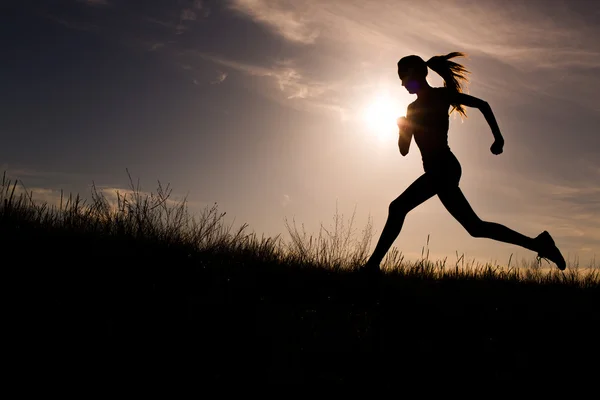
222 76
113 193
285 200
288 79
56 197
280 17
220 79
291 86
40 195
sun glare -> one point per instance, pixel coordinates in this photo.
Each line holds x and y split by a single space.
380 116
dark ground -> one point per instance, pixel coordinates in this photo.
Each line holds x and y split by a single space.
87 307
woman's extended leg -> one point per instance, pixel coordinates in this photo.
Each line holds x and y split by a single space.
418 192
455 202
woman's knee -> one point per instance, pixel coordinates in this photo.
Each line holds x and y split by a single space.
477 228
398 207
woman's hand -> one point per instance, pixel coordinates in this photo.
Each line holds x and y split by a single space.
402 124
497 146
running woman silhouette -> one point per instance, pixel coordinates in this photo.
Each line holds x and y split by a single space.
427 120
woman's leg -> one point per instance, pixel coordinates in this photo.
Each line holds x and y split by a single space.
455 202
418 192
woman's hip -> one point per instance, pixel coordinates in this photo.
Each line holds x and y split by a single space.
444 169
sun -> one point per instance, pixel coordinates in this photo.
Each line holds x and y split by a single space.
380 115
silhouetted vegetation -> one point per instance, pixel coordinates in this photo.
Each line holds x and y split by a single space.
140 287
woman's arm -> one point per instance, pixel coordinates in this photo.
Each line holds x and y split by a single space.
486 110
405 133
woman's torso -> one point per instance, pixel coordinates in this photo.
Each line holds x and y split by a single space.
429 120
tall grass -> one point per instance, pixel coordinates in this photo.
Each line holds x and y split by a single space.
335 247
157 218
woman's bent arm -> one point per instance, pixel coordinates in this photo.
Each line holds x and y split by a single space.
481 105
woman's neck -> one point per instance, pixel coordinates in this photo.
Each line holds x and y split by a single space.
425 90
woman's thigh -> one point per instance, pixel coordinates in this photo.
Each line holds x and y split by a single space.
421 190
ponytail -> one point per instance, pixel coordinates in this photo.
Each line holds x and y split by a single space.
454 75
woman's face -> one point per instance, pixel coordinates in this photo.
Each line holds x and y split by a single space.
409 81
412 85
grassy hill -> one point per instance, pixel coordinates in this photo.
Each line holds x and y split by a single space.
141 288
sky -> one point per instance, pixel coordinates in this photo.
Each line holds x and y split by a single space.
281 110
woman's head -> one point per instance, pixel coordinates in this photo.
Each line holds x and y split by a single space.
412 71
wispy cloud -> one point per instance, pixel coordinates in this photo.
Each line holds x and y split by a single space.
281 17
40 195
220 79
112 195
291 85
56 197
283 73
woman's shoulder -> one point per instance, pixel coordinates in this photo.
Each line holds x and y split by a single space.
443 93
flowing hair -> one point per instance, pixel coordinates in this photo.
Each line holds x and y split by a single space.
454 75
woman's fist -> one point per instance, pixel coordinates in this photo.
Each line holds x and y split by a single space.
497 146
402 123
